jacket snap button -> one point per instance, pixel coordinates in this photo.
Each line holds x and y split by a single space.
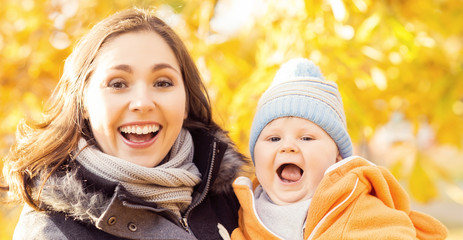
112 220
132 227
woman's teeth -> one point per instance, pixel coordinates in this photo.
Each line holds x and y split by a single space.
140 129
139 134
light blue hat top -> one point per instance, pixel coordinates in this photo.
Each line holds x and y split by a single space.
300 90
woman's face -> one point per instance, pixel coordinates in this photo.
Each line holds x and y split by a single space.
135 99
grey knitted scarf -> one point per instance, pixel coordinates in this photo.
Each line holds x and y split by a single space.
169 184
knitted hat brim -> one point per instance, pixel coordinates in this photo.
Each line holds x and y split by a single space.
304 107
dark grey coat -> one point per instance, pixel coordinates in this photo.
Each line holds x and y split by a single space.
81 205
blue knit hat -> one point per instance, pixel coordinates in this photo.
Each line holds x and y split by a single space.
300 90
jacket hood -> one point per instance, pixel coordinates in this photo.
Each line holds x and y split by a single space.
84 196
373 180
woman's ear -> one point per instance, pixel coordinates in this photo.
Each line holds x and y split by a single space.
83 105
84 112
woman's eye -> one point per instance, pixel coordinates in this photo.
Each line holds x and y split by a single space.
117 83
163 83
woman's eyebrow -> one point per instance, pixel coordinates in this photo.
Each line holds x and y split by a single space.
159 66
156 67
123 67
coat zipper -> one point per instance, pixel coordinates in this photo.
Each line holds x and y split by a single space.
184 223
184 220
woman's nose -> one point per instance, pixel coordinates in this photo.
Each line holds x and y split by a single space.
141 101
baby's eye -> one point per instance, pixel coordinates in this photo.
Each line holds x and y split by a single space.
274 139
306 138
163 83
117 83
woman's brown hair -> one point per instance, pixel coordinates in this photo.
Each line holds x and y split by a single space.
41 147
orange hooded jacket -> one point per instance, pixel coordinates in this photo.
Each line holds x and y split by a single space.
355 200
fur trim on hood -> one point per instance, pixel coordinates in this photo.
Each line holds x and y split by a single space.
67 194
231 166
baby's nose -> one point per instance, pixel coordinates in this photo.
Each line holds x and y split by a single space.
288 147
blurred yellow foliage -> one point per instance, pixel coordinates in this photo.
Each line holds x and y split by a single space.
387 57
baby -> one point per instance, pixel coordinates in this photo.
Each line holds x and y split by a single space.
309 186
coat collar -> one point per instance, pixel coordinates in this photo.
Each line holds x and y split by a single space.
217 159
74 190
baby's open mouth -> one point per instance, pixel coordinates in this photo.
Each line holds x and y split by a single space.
139 134
289 173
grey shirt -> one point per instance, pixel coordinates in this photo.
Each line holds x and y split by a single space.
287 221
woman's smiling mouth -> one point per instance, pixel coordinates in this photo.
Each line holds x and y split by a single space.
139 134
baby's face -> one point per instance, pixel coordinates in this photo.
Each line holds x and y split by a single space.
291 156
